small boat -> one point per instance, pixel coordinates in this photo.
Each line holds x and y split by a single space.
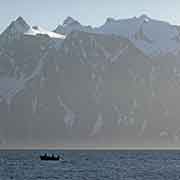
50 158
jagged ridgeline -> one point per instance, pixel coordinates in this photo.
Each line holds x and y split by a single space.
113 85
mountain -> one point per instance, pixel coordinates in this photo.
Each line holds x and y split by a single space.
18 28
65 94
14 30
87 89
153 37
70 25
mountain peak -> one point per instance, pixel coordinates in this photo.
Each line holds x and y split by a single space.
19 26
15 29
70 21
20 20
144 17
110 20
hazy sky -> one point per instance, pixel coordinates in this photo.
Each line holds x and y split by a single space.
50 13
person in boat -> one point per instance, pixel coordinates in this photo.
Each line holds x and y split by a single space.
51 157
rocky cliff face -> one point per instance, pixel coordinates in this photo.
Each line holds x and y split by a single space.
89 89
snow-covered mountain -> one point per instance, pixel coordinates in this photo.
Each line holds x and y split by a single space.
88 88
20 27
152 36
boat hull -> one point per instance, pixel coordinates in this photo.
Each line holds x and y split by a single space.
48 158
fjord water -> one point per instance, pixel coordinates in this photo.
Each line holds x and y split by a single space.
95 165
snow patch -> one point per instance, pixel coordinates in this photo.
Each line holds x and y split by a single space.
106 54
66 49
117 110
177 136
153 94
98 125
143 127
34 104
33 31
81 61
84 54
131 120
164 133
38 68
135 104
69 118
93 75
57 68
42 81
118 54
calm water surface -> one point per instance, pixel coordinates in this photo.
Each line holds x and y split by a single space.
87 165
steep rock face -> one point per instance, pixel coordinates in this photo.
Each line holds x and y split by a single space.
63 94
91 89
19 58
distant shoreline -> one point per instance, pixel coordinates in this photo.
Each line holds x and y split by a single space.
90 149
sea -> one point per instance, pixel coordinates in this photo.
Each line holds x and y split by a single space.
91 165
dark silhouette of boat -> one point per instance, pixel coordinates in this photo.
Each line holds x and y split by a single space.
46 157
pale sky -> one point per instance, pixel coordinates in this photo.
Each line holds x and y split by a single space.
50 13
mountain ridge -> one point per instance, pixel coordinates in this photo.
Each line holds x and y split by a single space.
89 88
153 37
